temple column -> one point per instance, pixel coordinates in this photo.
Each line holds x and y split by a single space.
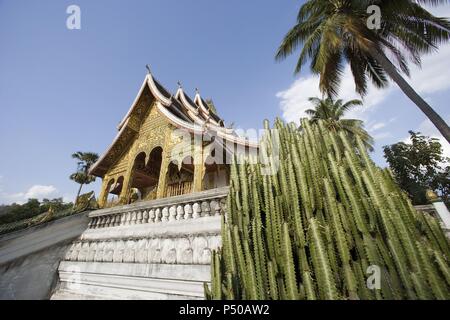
199 167
102 198
199 170
160 192
125 193
165 161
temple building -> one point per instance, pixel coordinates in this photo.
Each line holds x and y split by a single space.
167 145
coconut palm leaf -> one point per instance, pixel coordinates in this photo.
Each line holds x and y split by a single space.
332 33
332 112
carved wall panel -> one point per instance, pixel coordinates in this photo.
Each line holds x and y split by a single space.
177 250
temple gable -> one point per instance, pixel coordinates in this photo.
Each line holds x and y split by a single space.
141 163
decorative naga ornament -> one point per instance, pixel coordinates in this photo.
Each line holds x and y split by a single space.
431 196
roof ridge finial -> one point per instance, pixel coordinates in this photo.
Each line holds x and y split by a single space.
148 69
197 91
179 85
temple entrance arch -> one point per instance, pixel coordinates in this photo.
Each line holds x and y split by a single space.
180 177
104 199
216 175
154 161
116 189
112 192
145 175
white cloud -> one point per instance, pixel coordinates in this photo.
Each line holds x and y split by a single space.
374 129
40 192
377 126
431 78
294 100
381 135
434 75
37 191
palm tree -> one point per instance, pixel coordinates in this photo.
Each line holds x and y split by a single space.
332 112
82 176
333 32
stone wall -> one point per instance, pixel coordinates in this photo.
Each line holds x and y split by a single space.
159 249
29 258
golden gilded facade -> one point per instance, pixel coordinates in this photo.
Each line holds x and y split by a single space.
161 150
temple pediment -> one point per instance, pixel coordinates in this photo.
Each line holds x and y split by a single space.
142 156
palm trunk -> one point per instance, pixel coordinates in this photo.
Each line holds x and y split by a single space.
78 194
434 117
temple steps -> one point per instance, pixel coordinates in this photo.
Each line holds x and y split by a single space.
92 280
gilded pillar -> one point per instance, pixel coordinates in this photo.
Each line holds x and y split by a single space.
166 158
198 177
134 125
199 166
102 198
160 192
128 178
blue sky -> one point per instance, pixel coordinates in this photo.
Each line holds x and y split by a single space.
65 90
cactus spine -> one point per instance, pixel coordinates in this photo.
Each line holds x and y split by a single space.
311 228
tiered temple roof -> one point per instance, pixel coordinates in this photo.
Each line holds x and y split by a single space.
194 116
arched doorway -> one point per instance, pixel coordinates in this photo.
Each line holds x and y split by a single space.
113 190
146 174
180 178
215 175
105 199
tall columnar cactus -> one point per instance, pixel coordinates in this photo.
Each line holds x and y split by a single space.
315 227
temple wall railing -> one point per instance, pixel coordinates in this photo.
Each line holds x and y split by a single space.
184 207
179 188
158 249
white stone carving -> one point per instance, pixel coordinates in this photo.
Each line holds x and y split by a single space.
189 249
129 251
108 251
119 251
150 212
142 251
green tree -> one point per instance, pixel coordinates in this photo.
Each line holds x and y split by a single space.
441 184
33 207
418 166
15 212
333 32
57 204
82 176
332 112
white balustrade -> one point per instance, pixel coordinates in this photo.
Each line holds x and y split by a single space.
193 206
